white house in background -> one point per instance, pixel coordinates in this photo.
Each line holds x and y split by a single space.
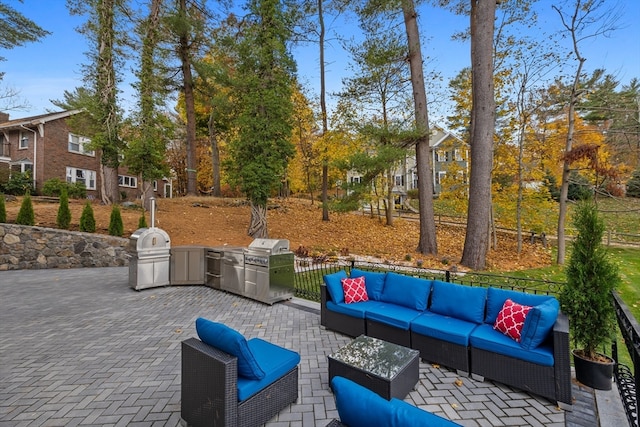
446 148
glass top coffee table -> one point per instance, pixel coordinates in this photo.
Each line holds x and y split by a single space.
388 369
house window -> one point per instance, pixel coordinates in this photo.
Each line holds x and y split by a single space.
155 186
440 176
457 155
399 181
24 141
356 180
82 176
127 181
79 144
4 152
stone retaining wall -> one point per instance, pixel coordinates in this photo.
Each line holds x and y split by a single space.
24 247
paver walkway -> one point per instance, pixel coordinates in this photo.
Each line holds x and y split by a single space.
79 347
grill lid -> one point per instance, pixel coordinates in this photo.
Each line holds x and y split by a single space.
272 246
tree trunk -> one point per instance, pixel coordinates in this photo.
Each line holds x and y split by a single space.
258 225
390 202
323 109
110 185
189 103
215 157
427 243
482 129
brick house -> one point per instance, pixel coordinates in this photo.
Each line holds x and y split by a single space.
45 146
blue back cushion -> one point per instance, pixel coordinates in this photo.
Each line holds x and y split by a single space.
372 280
407 291
496 298
538 323
334 285
359 406
230 341
459 301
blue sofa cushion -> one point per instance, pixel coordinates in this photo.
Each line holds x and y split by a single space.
486 338
276 362
411 292
393 315
372 280
360 407
334 285
444 328
459 301
496 298
538 323
356 309
230 341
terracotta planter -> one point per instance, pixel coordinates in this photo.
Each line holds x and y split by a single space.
594 374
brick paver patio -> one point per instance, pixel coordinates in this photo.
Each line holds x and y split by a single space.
80 347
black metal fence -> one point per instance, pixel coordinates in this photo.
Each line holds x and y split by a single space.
628 381
310 271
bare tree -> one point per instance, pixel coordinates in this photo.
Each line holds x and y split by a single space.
585 19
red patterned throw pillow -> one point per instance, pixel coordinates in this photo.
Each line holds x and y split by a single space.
354 290
511 318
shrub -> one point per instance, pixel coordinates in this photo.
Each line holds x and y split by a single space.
87 220
142 222
19 184
26 216
54 187
116 228
579 187
3 209
63 220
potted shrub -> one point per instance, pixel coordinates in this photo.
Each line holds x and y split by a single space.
587 298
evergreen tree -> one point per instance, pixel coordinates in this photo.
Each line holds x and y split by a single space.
142 222
263 85
26 216
87 220
116 228
586 298
633 185
3 209
63 220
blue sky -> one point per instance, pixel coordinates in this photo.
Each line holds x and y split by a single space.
43 70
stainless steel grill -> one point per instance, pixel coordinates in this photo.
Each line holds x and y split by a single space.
268 270
150 252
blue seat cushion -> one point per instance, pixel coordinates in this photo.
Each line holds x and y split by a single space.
393 315
356 309
373 281
445 328
232 342
411 292
360 407
334 285
496 298
459 301
276 362
486 338
538 323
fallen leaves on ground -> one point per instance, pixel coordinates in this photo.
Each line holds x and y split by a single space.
213 221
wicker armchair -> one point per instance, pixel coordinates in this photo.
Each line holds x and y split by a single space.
210 390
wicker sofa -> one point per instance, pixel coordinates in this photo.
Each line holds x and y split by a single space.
244 384
453 325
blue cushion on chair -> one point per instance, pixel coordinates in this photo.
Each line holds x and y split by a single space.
538 323
230 341
359 406
496 298
334 285
407 291
277 362
459 301
485 337
372 280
